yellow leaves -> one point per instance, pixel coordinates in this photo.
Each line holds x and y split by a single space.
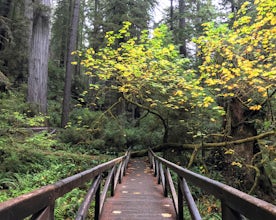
261 89
229 94
208 59
226 74
238 164
212 81
123 89
178 93
90 51
171 47
165 51
152 105
144 70
74 63
273 21
119 58
255 107
249 49
229 152
207 101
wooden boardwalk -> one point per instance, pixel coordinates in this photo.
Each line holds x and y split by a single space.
138 196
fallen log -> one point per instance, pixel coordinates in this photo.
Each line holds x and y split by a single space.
202 145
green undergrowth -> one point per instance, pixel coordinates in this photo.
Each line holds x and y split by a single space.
25 167
30 161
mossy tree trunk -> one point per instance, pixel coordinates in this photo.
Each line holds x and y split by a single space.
240 125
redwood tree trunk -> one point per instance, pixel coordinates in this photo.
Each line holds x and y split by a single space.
69 67
39 53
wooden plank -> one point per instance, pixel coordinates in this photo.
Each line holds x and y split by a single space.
138 197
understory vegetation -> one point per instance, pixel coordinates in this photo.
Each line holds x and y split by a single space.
31 158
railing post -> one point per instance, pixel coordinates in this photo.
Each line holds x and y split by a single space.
120 172
162 178
156 168
228 213
126 163
112 182
150 161
153 164
166 183
180 215
97 203
158 171
45 214
171 188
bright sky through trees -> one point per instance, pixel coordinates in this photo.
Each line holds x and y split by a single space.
159 10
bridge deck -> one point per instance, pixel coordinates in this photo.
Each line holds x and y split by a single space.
138 196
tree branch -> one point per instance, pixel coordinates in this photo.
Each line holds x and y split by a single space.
212 145
204 145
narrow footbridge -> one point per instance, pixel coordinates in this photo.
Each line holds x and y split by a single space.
139 188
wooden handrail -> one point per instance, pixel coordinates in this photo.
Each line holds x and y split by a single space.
40 203
235 203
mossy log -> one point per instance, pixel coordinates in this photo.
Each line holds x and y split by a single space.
202 145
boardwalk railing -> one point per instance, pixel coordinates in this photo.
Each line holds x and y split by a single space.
40 204
235 204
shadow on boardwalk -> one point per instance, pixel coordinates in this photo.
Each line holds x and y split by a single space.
138 196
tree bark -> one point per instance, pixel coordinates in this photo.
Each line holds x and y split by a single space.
29 15
239 128
171 16
182 23
69 67
39 54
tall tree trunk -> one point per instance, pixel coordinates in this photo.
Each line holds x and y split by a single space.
29 15
39 54
96 24
182 39
171 16
69 67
